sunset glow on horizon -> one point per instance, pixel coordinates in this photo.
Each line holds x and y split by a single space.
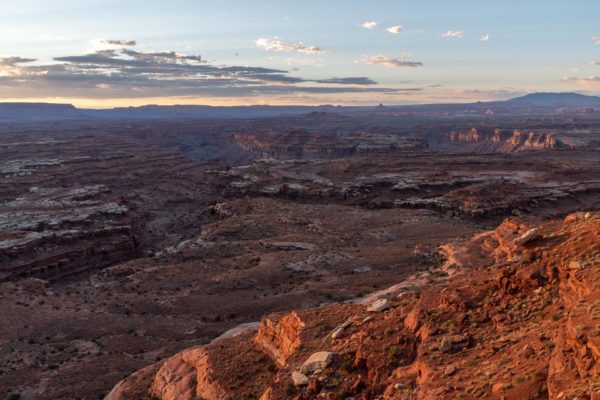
105 53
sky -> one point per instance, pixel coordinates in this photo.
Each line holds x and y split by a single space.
107 53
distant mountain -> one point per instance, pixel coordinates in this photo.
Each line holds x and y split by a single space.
557 100
202 111
38 112
530 104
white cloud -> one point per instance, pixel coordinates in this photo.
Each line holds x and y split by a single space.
596 39
389 61
575 68
453 34
279 45
485 38
594 62
369 24
394 29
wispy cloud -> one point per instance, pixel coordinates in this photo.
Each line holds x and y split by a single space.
575 68
369 24
453 34
594 62
592 78
394 29
276 44
596 39
124 43
484 37
348 81
390 62
15 60
11 66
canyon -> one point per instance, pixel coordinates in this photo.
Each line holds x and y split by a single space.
426 252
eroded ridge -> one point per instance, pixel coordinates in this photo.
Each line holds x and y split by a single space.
516 318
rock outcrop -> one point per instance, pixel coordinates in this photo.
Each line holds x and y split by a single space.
302 144
503 141
517 320
280 338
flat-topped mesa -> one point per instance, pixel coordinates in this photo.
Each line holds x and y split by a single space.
302 144
280 338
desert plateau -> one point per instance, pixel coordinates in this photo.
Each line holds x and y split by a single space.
275 200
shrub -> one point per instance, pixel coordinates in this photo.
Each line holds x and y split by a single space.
388 332
290 389
347 365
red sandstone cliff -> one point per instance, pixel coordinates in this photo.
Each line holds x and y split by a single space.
511 315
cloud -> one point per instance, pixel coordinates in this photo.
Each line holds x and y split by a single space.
594 62
125 73
123 43
453 34
390 62
596 39
591 78
279 45
168 56
348 81
394 29
575 68
485 37
369 24
10 66
12 61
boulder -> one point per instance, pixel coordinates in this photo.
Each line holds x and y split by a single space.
451 343
379 306
337 332
527 237
299 379
318 360
450 369
574 265
500 387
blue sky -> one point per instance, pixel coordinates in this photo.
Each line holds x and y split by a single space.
285 52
